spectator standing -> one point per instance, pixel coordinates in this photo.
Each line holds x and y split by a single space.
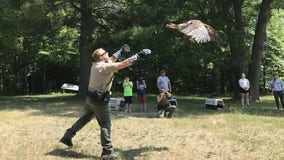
164 82
141 94
128 94
244 90
277 90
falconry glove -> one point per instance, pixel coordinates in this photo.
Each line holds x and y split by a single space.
125 48
142 53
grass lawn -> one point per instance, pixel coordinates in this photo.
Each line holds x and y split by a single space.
31 127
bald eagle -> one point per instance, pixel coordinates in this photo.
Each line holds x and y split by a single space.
197 31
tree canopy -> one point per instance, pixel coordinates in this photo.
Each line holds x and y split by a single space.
47 43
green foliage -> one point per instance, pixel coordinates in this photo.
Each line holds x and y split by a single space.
276 30
38 35
278 5
31 39
274 48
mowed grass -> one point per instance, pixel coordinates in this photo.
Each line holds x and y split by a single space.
31 127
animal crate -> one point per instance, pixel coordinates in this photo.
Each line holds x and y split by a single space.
70 87
214 103
115 103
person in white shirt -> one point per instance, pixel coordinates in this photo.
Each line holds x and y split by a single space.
277 89
244 90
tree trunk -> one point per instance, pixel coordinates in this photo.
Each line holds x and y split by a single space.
259 38
86 29
239 53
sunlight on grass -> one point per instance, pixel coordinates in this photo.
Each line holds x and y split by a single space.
32 125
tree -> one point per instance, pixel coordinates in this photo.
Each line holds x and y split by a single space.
238 50
63 33
86 29
257 49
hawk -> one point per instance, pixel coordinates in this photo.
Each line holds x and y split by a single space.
197 31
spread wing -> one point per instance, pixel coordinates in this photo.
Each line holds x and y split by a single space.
213 34
196 31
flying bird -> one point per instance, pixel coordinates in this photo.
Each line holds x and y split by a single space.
197 31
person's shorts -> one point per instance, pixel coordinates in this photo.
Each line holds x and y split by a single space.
141 98
128 99
243 91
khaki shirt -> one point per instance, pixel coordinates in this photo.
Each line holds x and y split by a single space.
101 74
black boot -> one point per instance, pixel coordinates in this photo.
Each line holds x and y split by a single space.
67 138
111 156
66 141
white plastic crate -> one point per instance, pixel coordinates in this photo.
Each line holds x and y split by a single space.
114 103
71 87
214 103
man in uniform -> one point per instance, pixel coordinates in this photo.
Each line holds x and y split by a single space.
96 104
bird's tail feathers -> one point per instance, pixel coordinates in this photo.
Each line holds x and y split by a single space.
214 35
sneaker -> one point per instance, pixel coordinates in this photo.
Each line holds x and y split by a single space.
66 141
160 113
111 156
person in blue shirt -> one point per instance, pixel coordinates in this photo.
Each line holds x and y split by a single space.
141 94
164 82
277 89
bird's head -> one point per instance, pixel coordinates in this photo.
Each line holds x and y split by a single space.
172 26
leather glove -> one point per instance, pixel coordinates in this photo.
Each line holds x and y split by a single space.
123 49
142 53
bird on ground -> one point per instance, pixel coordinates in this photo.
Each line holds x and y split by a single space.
196 31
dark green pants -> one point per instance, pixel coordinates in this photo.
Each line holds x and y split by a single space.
101 111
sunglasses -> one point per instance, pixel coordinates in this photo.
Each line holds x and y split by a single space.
103 53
